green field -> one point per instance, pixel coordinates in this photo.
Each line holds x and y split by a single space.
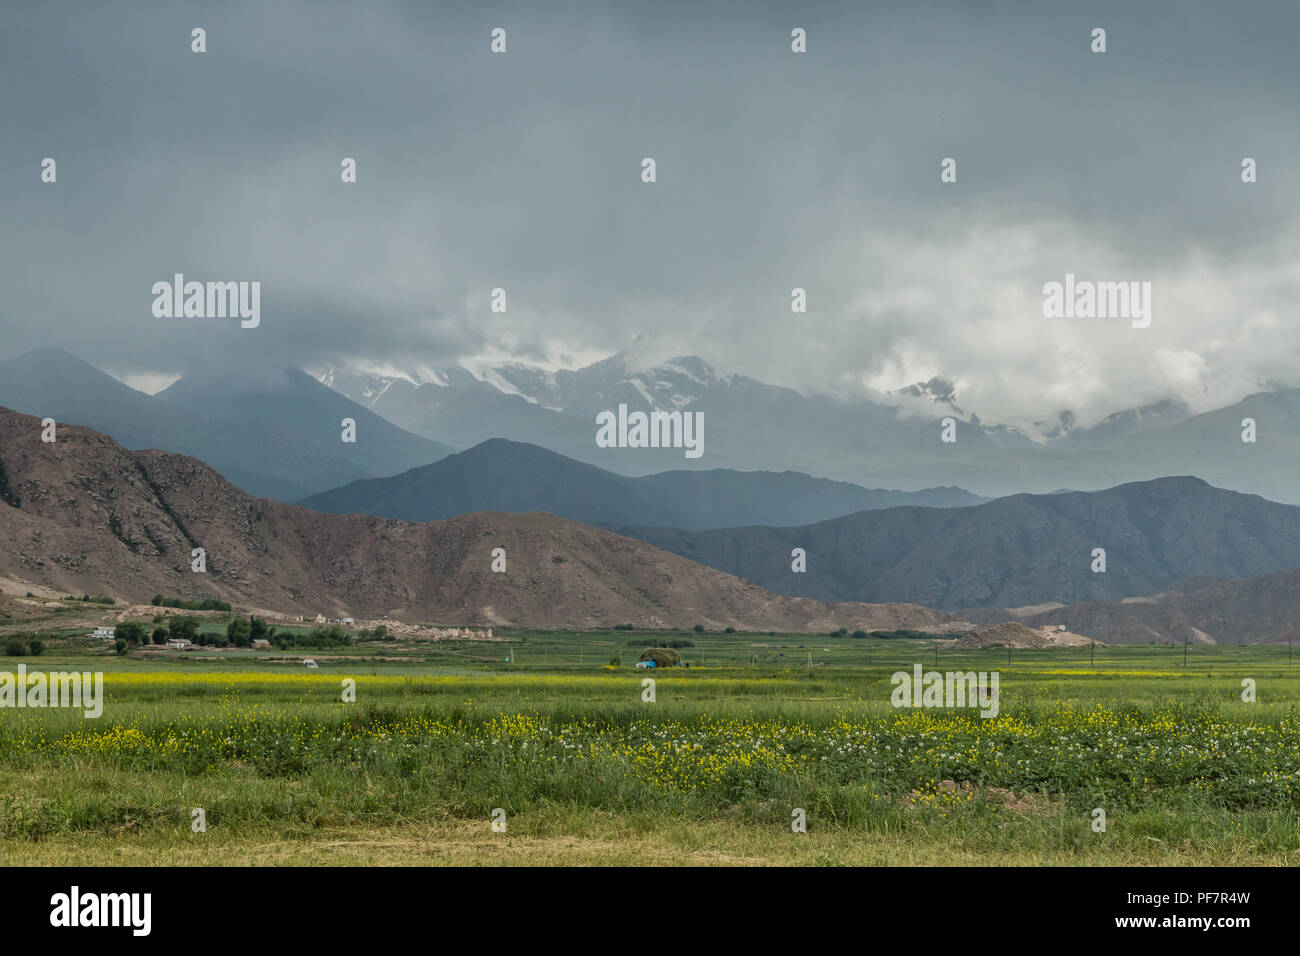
712 771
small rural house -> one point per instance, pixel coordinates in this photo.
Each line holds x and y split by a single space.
178 643
261 643
106 633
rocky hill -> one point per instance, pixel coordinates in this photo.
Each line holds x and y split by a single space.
1015 551
83 514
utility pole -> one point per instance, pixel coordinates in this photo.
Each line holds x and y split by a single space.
1008 653
1093 662
1184 653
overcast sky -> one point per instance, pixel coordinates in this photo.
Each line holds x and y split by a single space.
775 170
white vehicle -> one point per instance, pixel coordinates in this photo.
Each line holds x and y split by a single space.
308 662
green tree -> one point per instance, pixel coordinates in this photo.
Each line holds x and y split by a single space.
160 635
131 632
120 646
183 626
15 647
239 632
36 647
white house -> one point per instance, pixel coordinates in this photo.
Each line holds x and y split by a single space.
106 633
178 643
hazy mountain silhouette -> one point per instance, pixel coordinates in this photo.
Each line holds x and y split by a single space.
1014 551
501 475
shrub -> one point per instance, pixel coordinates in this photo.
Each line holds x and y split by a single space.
860 634
699 628
131 632
662 656
730 630
183 626
15 647
120 646
37 647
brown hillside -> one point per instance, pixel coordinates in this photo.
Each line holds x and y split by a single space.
94 517
1008 634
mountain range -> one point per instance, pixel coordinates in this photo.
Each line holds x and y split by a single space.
84 514
1012 552
276 434
501 475
892 442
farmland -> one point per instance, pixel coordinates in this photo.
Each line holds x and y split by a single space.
585 769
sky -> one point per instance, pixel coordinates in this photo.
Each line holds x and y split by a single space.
820 170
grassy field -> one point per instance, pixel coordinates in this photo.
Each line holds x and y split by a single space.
583 769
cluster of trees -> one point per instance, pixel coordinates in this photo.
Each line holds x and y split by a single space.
87 599
242 633
317 637
22 644
184 627
207 604
682 643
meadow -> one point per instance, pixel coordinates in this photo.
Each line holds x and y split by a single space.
563 748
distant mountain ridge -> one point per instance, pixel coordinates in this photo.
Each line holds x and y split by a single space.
83 514
276 434
1015 551
501 475
1263 609
754 426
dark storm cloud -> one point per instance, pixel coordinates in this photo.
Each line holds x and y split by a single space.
775 170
